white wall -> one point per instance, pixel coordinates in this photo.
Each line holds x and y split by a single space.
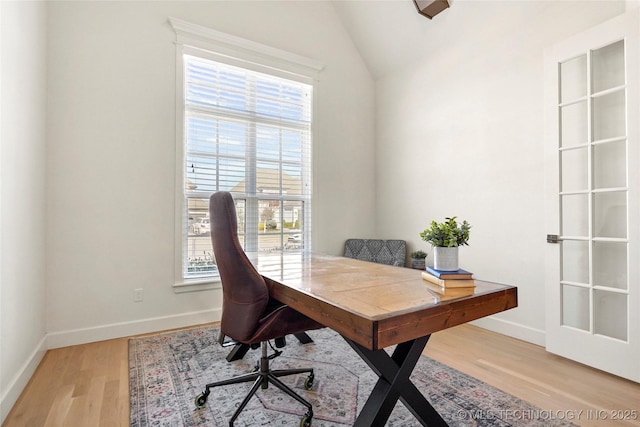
22 195
460 132
111 148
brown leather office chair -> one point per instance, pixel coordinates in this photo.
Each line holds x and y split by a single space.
249 314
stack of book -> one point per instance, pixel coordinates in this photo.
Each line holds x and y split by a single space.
447 280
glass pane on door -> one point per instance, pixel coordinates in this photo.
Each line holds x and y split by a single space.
610 264
573 124
575 307
607 67
573 79
575 215
574 169
610 314
609 165
575 261
609 116
610 214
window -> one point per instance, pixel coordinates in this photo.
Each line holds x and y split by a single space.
247 132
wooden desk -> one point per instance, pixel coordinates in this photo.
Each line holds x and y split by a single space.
374 306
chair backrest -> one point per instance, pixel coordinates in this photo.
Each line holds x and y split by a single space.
244 292
391 252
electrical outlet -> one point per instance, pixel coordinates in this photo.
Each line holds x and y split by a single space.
138 295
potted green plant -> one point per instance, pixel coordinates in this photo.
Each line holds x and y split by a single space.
418 260
446 237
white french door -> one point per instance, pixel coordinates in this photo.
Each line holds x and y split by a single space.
593 197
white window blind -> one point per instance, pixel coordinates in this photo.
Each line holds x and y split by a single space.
249 133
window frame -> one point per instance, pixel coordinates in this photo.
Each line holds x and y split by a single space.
195 40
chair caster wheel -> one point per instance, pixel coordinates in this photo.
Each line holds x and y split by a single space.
306 421
201 400
308 383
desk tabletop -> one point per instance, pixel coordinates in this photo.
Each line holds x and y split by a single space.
375 305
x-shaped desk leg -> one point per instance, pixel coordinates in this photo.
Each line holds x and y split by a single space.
393 384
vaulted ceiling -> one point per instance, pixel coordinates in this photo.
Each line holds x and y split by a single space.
387 33
390 34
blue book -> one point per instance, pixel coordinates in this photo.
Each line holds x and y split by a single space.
458 274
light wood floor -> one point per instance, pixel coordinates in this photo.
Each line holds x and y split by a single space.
87 385
550 382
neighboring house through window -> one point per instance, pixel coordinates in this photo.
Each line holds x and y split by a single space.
243 127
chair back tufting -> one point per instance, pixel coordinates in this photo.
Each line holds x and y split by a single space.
391 252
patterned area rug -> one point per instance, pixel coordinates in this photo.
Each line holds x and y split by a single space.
168 370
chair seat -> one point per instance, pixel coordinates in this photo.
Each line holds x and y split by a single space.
278 323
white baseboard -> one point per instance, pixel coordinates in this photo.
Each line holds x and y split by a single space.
512 329
99 333
11 394
136 327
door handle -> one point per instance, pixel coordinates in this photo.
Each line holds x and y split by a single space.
553 238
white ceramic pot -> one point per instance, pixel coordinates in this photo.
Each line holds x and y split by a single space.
445 259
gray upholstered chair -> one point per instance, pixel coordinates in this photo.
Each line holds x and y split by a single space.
391 252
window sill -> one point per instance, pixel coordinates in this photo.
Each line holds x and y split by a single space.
195 285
